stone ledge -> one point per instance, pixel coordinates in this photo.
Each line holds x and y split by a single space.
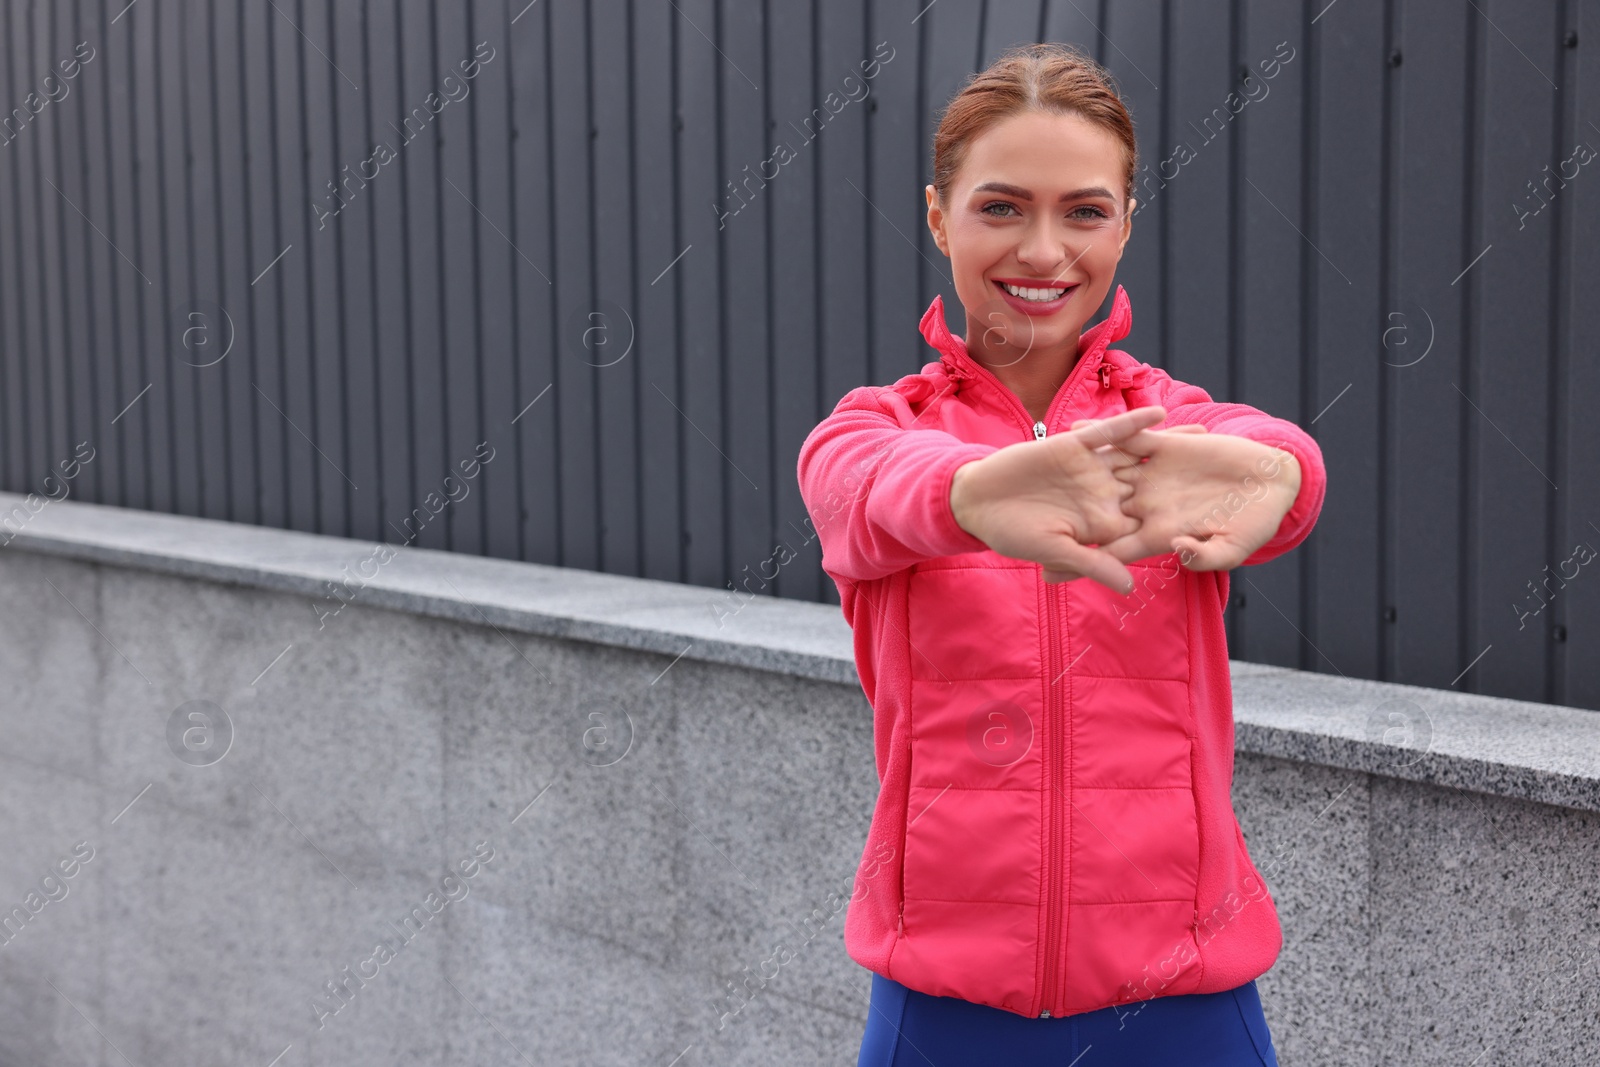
1511 748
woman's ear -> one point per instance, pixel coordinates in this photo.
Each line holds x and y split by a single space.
936 219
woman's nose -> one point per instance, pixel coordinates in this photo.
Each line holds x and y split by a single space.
1049 251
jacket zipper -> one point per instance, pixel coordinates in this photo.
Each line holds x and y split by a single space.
1052 938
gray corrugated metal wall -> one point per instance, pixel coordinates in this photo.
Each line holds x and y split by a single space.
180 177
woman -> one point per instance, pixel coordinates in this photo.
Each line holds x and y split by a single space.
1035 578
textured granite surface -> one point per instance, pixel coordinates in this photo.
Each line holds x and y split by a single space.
809 640
1505 747
659 825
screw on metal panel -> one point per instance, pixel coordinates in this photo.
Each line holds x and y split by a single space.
1570 39
1389 613
1560 632
1394 58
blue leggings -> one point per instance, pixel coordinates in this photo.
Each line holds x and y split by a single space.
906 1028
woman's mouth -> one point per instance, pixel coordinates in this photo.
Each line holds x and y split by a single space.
1036 300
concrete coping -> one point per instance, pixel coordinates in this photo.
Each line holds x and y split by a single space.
1511 748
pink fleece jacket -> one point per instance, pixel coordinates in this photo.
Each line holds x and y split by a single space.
1054 831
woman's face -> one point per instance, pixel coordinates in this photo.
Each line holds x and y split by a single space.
1037 202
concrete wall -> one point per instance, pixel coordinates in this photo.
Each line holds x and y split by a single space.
666 802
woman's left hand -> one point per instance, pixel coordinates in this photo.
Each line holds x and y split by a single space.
1212 498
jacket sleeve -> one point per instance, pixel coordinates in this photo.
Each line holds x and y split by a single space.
1190 404
877 487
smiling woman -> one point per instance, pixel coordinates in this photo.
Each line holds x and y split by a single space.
1054 756
1035 227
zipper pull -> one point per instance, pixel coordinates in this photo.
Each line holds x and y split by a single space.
1038 430
1104 372
1045 1014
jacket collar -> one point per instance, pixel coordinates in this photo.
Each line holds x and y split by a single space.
959 365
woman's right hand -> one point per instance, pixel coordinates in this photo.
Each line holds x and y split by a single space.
1049 500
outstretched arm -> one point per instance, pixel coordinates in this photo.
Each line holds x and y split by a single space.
884 495
877 486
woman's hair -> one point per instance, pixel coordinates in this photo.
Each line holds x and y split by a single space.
1049 77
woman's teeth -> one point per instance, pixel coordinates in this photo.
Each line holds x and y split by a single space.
1040 295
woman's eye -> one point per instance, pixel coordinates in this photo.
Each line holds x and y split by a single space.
987 208
1094 213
